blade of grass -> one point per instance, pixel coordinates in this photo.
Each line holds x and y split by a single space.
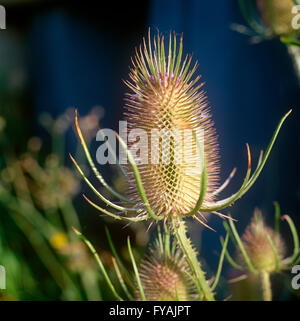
116 255
136 272
47 257
99 262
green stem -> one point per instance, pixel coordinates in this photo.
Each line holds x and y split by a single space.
224 245
295 238
266 285
100 264
191 257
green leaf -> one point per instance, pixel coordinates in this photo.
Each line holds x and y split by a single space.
290 42
266 154
241 246
230 259
277 217
224 245
295 237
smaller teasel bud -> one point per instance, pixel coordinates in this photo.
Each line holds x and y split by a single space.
277 15
258 241
163 274
261 249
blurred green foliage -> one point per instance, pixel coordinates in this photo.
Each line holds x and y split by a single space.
43 257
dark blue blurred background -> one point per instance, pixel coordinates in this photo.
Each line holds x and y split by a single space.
77 55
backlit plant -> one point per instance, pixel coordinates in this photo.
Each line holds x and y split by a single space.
166 95
261 249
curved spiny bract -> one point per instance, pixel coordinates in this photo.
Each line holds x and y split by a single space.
165 98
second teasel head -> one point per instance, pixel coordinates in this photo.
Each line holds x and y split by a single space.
258 240
164 273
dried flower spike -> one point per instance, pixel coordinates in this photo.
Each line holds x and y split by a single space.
166 97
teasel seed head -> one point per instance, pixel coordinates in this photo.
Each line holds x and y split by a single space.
167 100
256 241
277 15
167 97
163 275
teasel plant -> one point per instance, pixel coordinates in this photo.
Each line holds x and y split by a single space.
165 274
162 275
261 250
165 95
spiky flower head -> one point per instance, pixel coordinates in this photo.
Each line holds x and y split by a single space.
258 241
277 15
167 98
168 105
163 274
